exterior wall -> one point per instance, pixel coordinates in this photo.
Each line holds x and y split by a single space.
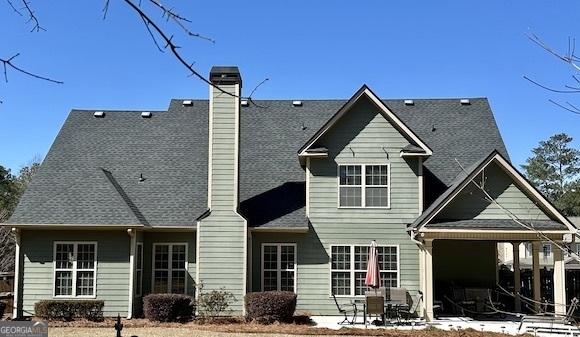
149 238
222 236
361 136
112 286
470 203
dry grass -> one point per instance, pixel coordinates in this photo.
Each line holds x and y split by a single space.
235 328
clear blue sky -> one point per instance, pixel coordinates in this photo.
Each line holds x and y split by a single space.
309 49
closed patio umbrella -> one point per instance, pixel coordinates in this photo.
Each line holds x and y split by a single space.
373 278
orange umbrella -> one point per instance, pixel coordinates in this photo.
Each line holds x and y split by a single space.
373 278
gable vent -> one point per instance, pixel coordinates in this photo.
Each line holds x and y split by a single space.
99 114
409 102
146 114
297 103
245 102
187 103
464 101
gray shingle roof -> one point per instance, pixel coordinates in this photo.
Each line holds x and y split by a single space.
170 151
499 224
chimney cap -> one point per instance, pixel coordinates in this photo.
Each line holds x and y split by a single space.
225 75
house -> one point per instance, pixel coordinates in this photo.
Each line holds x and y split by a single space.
274 195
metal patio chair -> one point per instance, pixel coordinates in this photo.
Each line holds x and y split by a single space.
346 309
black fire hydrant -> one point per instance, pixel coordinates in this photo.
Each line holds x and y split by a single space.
118 326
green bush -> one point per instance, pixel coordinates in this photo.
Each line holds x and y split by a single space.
168 307
67 310
270 306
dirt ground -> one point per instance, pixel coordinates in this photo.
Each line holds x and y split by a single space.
248 329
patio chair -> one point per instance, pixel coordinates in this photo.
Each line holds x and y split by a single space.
551 318
398 300
346 309
375 305
411 310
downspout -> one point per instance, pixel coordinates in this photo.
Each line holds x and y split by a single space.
413 233
133 238
16 293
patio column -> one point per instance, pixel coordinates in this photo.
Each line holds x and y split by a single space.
536 273
559 281
428 295
517 275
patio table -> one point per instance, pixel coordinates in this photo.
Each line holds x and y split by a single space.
389 305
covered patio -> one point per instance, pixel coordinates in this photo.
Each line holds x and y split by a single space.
460 268
458 235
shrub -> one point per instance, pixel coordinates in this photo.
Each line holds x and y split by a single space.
214 303
168 307
2 308
270 306
91 310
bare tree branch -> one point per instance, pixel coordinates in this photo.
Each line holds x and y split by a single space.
559 91
569 57
13 8
7 63
572 107
170 14
32 17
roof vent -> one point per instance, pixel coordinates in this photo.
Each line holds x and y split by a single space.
187 103
146 114
409 102
99 114
245 102
464 101
297 103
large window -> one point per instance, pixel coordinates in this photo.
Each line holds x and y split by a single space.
139 271
279 266
363 186
349 266
169 268
75 269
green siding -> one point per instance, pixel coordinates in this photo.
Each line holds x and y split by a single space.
362 136
222 238
149 238
112 267
472 204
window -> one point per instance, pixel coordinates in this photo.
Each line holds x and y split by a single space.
139 270
349 266
547 250
169 268
75 269
279 266
372 191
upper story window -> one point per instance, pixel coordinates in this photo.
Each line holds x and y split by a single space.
364 186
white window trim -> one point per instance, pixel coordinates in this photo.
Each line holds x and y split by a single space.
363 186
169 262
74 269
139 268
353 271
279 264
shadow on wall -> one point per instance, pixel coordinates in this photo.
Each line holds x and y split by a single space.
275 203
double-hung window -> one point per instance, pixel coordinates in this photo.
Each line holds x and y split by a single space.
364 186
139 271
169 268
279 266
75 269
349 266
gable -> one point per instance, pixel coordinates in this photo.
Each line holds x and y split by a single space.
516 197
363 132
364 93
471 202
